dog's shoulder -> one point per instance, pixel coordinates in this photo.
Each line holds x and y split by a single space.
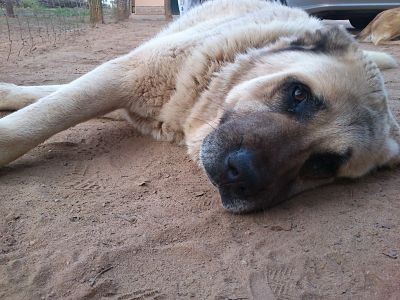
238 13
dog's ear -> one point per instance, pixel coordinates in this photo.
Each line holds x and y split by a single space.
336 41
382 60
329 40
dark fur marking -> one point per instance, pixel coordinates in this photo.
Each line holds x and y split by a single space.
324 165
326 41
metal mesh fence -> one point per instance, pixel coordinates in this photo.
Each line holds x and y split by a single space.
27 25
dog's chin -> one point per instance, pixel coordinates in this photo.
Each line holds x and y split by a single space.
238 205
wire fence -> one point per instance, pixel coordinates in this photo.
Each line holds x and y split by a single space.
29 25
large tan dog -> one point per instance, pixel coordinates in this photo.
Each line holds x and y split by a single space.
383 28
266 99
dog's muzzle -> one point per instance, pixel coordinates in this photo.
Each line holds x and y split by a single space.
253 164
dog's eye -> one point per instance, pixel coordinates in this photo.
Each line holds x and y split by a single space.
300 94
299 101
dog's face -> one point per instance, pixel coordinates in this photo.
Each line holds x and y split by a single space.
300 114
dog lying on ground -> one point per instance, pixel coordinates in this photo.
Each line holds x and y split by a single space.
267 100
383 28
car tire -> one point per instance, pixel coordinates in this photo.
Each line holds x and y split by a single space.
360 22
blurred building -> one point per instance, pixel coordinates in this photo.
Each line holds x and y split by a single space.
152 7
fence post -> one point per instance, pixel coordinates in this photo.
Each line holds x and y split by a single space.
122 9
10 9
167 9
96 12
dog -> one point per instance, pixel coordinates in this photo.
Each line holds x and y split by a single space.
383 28
268 101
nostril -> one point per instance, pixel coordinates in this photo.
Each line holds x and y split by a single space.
242 189
233 172
239 166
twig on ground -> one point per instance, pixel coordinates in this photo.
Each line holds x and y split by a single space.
92 280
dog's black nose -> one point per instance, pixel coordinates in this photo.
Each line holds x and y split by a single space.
241 175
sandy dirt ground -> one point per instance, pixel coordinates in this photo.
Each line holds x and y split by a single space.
101 212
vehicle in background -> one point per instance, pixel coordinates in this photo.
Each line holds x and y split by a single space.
359 13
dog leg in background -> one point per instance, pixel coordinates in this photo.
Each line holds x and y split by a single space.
383 28
14 97
366 32
91 95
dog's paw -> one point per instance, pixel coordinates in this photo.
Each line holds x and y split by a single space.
7 94
7 88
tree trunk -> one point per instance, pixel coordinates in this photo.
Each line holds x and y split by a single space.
122 10
10 9
96 12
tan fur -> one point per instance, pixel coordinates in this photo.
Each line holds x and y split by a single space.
383 28
224 56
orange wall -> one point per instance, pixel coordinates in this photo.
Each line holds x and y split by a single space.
149 2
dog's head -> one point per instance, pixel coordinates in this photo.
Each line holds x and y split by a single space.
296 115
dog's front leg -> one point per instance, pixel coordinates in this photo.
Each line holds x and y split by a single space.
96 93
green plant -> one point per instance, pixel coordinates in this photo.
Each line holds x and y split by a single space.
31 4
